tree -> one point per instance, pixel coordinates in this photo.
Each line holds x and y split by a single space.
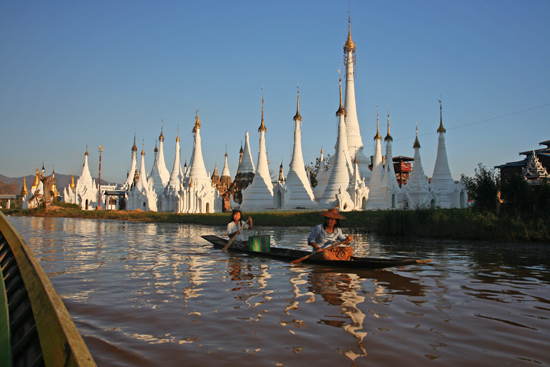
315 168
483 188
517 193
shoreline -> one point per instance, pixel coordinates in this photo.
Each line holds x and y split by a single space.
456 224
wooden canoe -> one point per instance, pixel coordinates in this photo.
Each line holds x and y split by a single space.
285 254
35 327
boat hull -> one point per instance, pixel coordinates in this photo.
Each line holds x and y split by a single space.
285 254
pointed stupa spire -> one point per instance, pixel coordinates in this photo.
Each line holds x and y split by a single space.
215 174
161 136
259 195
36 181
340 172
133 166
262 124
353 133
72 182
416 142
390 181
388 136
417 187
197 122
297 117
341 110
142 178
377 136
246 165
24 190
297 182
377 199
441 178
441 129
349 45
85 180
197 169
176 175
225 170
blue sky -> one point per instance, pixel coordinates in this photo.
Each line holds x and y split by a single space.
90 73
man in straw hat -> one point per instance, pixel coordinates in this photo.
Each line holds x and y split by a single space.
329 233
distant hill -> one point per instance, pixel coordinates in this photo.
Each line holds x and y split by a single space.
62 182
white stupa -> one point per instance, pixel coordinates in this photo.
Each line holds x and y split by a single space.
133 166
335 194
246 165
169 200
86 189
198 194
377 197
297 188
416 193
141 195
442 182
355 143
197 170
159 176
225 170
389 182
259 195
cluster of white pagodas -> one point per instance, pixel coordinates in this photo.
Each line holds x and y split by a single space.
348 184
188 190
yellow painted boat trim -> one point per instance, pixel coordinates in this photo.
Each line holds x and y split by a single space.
60 340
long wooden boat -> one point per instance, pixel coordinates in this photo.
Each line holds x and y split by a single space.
35 327
286 254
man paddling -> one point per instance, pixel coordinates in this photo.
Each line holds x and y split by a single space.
329 233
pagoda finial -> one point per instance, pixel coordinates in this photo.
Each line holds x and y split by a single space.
262 125
341 110
349 45
349 48
134 147
178 134
377 136
197 121
416 142
388 137
441 129
24 190
297 117
161 137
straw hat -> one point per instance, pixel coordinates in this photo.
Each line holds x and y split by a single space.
333 213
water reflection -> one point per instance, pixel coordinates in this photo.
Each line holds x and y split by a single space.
146 294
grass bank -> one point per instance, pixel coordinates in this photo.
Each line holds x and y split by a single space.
438 223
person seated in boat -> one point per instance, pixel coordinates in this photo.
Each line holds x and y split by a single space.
329 233
236 226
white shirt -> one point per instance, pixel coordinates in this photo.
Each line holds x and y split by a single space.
232 228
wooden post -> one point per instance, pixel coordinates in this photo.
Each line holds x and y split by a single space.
99 185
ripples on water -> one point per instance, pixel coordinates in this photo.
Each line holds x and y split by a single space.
158 295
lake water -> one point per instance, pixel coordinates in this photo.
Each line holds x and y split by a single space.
145 294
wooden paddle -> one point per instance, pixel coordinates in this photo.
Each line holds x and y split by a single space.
316 252
235 236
